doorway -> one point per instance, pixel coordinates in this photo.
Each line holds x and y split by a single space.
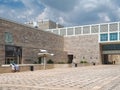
70 58
111 59
13 54
110 53
105 59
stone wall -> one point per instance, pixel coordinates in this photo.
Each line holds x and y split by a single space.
31 40
8 69
84 47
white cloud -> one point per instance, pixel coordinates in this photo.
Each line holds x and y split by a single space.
66 12
104 17
82 12
1 11
43 15
61 20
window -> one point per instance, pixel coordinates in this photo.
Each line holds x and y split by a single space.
113 36
111 47
78 30
103 37
104 28
55 32
94 29
62 32
8 38
86 29
70 31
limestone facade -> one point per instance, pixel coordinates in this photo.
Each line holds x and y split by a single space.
84 48
30 40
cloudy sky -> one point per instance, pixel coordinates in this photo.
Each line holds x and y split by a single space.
65 12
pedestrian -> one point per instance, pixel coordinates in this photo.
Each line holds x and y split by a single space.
114 62
93 63
17 68
13 67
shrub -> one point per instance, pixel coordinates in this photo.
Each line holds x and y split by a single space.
61 62
83 61
50 61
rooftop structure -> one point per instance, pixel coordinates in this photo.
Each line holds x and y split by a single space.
44 24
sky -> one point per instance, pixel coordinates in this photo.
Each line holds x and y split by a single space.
65 12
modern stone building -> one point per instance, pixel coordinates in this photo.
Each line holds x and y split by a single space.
99 43
22 43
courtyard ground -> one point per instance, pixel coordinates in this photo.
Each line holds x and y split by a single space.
101 77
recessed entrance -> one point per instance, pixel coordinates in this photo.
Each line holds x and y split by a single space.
70 58
110 54
13 54
111 59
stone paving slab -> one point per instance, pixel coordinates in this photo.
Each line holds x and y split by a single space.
102 77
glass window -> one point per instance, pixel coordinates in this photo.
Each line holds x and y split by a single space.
62 32
55 32
119 36
8 37
70 31
103 37
111 47
78 30
113 36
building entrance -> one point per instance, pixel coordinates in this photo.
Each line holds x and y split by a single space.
70 58
111 59
13 54
110 54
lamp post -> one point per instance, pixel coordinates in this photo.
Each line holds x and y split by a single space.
44 59
44 54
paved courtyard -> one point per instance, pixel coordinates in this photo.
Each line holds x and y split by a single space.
81 78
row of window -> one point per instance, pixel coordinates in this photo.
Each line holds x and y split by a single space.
90 29
111 47
112 37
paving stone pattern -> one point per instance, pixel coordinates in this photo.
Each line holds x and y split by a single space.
81 78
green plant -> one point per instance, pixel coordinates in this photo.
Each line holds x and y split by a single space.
83 61
61 62
50 61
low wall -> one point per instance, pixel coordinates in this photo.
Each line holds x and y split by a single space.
5 69
25 67
62 65
28 67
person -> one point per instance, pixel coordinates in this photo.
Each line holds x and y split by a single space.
113 61
13 67
74 62
16 68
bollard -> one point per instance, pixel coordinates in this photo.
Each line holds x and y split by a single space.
31 68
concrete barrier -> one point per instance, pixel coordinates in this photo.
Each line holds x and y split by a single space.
27 67
62 65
